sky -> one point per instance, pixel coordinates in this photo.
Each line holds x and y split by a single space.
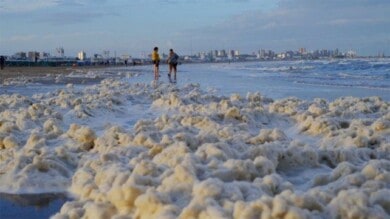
134 27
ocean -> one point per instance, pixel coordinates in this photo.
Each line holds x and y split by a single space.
301 138
305 79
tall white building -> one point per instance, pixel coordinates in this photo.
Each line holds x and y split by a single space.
82 55
32 55
43 55
222 53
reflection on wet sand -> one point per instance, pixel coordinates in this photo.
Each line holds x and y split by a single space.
30 205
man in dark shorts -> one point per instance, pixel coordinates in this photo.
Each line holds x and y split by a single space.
172 60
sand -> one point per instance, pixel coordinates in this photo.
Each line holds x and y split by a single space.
54 75
17 72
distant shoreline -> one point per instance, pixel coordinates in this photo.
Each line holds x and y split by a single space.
14 72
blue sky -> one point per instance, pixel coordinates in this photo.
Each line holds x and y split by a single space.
134 27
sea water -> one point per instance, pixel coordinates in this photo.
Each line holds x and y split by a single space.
305 79
327 79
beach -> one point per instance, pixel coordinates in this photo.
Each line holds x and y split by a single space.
10 72
43 72
245 140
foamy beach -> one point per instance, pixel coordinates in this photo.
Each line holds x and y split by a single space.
302 139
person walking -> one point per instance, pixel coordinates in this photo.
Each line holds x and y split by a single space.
2 62
172 60
156 63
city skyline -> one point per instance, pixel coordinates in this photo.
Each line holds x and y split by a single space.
33 58
193 25
43 58
60 52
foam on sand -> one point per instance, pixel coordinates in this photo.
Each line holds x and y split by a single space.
198 155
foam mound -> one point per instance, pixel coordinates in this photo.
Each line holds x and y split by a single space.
197 155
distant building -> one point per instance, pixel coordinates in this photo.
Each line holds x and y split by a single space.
222 53
20 55
106 53
43 55
82 55
281 55
336 52
265 54
32 55
302 51
164 56
324 53
126 57
60 51
231 54
351 54
202 56
261 54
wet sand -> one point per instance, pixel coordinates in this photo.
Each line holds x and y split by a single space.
30 206
15 72
48 75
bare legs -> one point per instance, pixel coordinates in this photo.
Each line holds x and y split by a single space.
174 69
174 72
156 72
170 72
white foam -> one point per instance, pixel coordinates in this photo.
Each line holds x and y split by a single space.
192 154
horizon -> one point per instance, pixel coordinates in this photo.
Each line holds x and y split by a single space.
134 28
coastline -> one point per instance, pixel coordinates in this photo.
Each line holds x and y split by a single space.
51 75
14 72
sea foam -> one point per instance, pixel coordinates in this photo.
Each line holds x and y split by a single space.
199 155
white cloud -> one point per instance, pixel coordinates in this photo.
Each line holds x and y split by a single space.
17 6
80 2
73 35
314 24
22 38
12 6
72 17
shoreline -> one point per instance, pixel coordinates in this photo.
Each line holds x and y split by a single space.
15 72
48 75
